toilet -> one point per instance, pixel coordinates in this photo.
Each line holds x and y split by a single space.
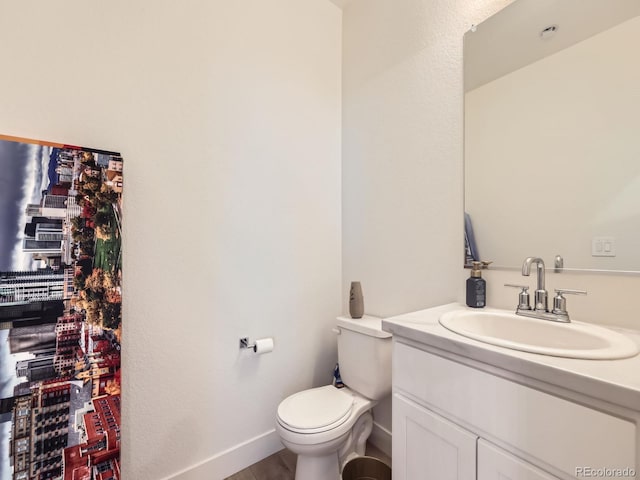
327 426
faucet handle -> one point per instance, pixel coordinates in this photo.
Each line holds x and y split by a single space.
560 303
561 291
523 297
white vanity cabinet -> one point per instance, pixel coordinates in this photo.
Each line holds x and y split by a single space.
425 445
455 420
428 446
496 464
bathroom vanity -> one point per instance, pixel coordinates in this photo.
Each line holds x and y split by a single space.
464 409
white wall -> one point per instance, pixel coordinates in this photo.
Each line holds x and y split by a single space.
402 149
402 152
552 156
228 118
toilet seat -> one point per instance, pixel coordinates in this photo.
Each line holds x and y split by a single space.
315 410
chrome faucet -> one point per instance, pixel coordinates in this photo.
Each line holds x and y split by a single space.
541 296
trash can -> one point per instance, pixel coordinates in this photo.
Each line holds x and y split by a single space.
366 468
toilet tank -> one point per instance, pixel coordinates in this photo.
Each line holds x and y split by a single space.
364 354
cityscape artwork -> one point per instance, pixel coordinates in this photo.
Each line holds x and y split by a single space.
60 311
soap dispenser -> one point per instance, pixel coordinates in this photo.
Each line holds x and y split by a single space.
477 286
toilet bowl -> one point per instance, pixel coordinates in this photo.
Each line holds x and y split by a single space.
327 426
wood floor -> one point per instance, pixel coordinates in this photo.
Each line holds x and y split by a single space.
282 466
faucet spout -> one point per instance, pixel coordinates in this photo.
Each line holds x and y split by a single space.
541 302
526 270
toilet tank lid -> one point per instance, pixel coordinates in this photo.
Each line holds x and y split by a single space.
366 325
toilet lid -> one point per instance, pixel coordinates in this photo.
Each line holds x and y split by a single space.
316 408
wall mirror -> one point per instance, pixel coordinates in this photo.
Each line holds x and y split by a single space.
552 134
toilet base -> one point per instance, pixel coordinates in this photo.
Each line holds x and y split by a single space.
318 461
357 442
326 467
311 466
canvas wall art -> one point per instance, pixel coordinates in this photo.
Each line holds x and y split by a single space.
60 311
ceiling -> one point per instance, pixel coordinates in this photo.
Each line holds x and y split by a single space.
340 3
510 39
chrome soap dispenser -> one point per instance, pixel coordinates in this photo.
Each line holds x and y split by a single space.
477 286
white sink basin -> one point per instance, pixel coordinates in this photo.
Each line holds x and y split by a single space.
572 340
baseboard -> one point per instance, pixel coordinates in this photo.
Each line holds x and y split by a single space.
381 438
240 456
232 460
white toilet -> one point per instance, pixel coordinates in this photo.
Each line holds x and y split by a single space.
327 426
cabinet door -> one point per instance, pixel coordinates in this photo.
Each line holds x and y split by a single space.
428 447
496 464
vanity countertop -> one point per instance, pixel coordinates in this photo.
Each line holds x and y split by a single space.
615 381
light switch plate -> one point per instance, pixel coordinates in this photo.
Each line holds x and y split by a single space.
603 247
